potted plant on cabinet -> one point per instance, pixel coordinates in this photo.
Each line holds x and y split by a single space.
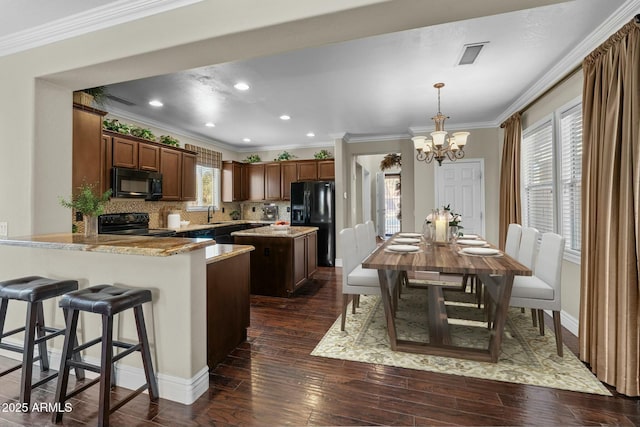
90 205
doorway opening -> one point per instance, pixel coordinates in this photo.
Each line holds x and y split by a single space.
393 213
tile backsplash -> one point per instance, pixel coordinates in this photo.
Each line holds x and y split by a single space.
158 211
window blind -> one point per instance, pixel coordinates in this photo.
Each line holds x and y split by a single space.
571 176
537 168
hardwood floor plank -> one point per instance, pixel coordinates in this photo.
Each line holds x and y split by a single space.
271 379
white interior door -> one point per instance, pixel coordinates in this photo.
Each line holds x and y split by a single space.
366 195
380 204
461 185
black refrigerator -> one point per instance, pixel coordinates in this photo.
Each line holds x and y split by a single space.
313 204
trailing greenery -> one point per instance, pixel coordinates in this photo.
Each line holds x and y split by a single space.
115 126
322 154
252 158
86 201
391 160
169 140
142 133
285 155
99 94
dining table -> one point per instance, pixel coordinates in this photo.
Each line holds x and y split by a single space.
495 272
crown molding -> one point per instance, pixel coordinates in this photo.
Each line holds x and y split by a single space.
570 61
421 130
85 22
253 149
352 138
180 132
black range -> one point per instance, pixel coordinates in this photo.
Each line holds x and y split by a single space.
131 224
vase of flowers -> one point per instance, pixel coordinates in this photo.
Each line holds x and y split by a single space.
445 224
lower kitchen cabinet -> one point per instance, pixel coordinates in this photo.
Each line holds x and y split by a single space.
280 265
228 303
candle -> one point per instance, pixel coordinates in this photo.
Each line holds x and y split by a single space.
441 230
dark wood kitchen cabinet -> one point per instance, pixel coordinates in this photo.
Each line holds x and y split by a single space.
255 176
189 163
288 174
326 170
148 157
234 181
90 152
128 153
307 170
272 188
228 303
171 170
280 265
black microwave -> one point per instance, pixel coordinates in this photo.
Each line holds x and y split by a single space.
134 183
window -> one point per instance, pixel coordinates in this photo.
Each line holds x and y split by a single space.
208 187
537 170
571 177
208 167
551 176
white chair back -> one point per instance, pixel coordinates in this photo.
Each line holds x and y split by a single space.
363 242
372 234
349 252
512 244
548 266
528 243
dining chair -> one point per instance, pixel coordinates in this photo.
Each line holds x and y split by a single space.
542 290
527 254
356 280
363 241
372 234
512 243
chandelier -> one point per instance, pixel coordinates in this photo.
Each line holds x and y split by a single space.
442 144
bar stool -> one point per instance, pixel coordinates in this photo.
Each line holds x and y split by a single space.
33 290
107 301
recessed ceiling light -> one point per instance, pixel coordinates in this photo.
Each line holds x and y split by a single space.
241 86
155 103
210 125
284 117
246 139
311 134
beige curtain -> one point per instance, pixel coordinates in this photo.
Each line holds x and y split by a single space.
510 204
206 157
609 302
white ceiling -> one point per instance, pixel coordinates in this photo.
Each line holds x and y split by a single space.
375 87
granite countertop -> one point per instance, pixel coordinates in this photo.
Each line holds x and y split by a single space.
110 243
193 227
289 232
217 253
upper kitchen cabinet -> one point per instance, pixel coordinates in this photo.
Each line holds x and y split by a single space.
326 170
90 151
171 169
234 181
307 170
272 184
288 174
255 175
129 153
189 176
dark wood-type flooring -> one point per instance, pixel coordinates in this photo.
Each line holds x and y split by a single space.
271 380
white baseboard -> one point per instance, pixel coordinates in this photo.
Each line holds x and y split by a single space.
338 262
181 390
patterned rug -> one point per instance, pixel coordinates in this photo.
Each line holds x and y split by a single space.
527 357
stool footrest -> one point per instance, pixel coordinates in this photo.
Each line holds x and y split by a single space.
82 388
84 365
128 398
127 352
11 347
53 334
9 370
87 345
12 332
44 380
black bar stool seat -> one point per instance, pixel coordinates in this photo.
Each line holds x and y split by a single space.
33 290
107 301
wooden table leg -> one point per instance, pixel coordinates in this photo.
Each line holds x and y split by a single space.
500 318
387 277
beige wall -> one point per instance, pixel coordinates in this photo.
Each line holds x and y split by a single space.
563 94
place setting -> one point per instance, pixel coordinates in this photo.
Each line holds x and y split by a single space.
480 251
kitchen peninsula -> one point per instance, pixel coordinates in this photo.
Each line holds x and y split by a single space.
284 259
182 274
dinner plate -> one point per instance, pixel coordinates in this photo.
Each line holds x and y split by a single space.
469 236
480 251
471 242
403 248
406 240
410 234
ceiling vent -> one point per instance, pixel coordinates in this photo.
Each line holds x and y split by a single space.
470 53
120 100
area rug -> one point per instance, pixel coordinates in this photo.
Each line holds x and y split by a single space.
526 358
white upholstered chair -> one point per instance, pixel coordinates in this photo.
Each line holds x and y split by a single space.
363 241
512 244
355 279
528 243
372 234
542 290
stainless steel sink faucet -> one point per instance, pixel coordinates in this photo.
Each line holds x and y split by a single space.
209 213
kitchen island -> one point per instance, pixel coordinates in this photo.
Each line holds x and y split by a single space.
176 271
284 259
